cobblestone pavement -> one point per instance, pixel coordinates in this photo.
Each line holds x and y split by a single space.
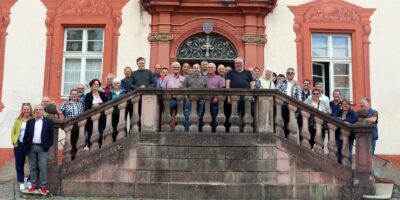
9 191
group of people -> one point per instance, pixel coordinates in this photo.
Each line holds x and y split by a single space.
32 133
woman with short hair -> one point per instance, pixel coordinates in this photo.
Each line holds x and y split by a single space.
71 108
115 92
349 116
17 136
94 99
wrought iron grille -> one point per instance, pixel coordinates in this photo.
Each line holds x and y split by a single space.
208 47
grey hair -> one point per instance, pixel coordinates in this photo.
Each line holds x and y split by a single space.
176 64
211 64
365 99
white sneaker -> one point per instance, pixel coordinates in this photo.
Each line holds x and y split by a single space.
21 187
28 184
86 148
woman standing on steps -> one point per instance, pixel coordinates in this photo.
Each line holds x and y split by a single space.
94 99
17 136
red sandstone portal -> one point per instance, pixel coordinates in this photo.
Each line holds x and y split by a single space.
240 22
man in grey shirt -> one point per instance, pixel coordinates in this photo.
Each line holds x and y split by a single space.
196 80
141 78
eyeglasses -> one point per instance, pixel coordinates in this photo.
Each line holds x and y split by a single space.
26 104
315 93
289 72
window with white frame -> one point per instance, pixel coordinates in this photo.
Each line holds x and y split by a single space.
82 57
331 58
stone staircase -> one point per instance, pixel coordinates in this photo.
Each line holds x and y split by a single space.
157 161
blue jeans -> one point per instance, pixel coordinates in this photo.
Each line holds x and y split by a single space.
20 157
373 146
339 145
38 163
214 113
187 109
173 106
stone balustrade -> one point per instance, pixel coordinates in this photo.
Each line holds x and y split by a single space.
252 111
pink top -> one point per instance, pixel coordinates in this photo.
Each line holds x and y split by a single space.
172 81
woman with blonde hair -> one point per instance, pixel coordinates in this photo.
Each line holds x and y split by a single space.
17 136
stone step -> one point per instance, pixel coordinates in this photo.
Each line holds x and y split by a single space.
209 165
213 152
382 191
208 139
207 177
207 191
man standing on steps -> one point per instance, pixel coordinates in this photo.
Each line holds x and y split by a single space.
291 88
38 139
239 78
214 81
204 69
196 80
141 78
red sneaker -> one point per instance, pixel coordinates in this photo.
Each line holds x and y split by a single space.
43 191
32 189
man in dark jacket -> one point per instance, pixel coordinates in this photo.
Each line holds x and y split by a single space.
37 141
141 78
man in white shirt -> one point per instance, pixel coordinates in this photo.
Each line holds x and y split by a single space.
37 141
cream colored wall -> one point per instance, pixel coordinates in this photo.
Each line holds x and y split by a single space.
133 41
24 62
280 53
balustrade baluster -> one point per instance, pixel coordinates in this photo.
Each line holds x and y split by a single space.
207 115
193 118
109 129
234 119
248 118
52 158
95 133
293 126
305 133
221 116
345 147
135 116
278 118
166 116
82 140
67 144
332 142
319 142
121 127
179 117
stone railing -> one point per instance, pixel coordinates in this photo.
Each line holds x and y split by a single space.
262 114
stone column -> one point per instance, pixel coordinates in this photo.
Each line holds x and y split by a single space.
319 142
193 118
305 133
95 133
166 116
109 129
67 144
135 116
81 141
292 126
278 118
332 142
179 117
121 127
234 119
247 118
207 115
221 116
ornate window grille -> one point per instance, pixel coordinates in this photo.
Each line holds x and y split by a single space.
207 47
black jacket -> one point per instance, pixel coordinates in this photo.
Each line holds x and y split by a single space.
89 99
47 136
